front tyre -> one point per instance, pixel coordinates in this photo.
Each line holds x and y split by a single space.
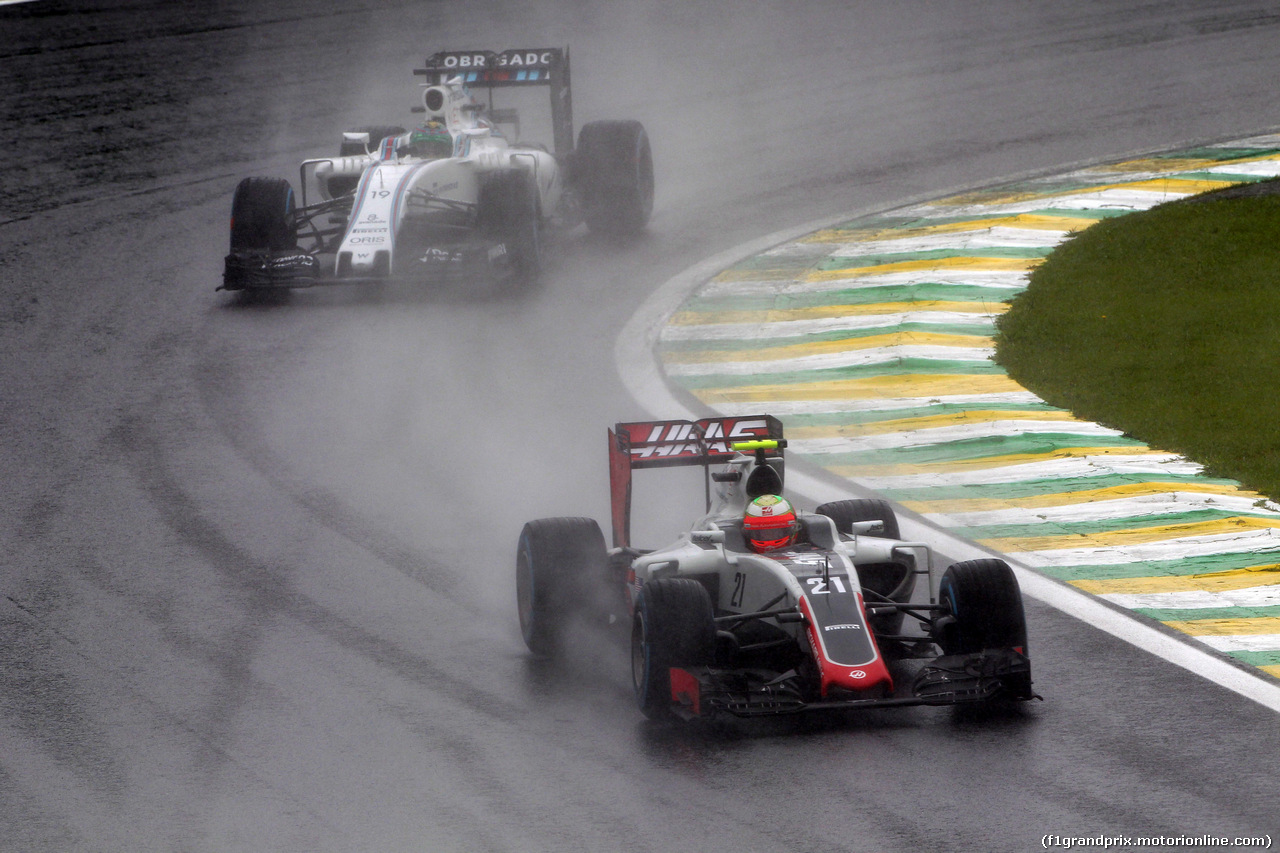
985 613
674 625
263 216
983 598
510 215
561 566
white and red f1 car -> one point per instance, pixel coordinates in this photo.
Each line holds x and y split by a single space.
460 193
718 628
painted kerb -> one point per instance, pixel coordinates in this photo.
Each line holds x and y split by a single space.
872 340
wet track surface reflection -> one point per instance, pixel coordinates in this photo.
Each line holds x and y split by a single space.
258 559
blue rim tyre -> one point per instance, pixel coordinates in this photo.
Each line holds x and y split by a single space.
263 216
984 600
985 613
674 625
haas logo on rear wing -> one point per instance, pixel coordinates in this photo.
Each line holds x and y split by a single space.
654 444
663 444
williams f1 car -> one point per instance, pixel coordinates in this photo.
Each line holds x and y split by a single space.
460 193
720 627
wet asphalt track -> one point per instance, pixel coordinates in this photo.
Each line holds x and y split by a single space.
257 587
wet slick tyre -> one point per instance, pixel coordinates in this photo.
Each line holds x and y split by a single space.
509 216
673 626
895 580
560 575
262 216
986 606
985 613
845 513
615 167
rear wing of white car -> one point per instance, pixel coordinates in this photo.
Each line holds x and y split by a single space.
665 444
486 69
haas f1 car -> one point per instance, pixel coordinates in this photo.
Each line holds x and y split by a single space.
460 193
721 627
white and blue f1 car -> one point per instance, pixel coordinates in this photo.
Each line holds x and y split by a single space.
832 620
460 193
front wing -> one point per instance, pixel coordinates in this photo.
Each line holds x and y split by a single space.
948 680
294 268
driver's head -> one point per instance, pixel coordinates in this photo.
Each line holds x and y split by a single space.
770 522
431 141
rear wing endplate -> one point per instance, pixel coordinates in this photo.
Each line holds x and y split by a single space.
540 66
666 444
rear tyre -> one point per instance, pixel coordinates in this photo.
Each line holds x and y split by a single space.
845 513
614 170
674 625
561 566
895 580
985 612
509 214
262 216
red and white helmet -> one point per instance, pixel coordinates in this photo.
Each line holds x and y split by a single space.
770 522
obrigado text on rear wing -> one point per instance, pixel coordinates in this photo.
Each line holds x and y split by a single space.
520 67
664 444
487 69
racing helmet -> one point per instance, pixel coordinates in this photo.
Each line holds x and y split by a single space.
770 522
431 141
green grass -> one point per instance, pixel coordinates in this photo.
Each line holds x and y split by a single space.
1165 325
